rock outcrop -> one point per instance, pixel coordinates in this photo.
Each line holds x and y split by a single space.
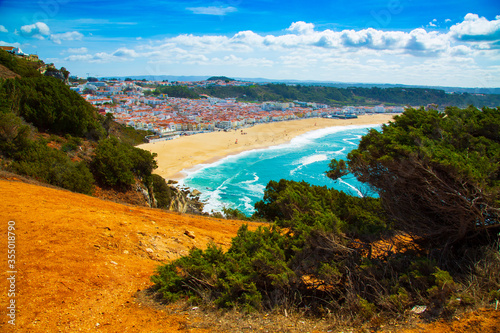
185 201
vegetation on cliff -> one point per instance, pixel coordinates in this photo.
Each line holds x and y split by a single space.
360 258
176 91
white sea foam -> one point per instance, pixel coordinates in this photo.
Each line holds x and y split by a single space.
256 189
247 202
307 137
306 160
352 187
338 152
213 198
350 142
313 159
254 180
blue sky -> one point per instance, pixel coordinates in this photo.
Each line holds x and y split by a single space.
447 43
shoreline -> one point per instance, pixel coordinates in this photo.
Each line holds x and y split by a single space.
177 156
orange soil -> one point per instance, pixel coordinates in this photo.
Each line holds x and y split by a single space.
80 261
483 321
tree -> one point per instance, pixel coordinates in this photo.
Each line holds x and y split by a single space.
337 169
437 174
111 164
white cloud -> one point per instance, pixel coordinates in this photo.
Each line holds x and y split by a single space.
212 10
100 57
241 62
80 50
475 28
125 53
374 39
432 24
302 38
3 29
37 30
67 36
247 37
447 20
10 44
423 43
460 51
301 27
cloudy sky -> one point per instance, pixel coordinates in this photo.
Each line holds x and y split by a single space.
425 42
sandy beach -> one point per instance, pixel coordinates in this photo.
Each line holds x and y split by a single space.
187 152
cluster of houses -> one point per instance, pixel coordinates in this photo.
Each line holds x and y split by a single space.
169 117
16 51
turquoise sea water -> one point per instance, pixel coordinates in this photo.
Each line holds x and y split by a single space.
239 181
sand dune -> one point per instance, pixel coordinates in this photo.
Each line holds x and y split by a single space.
187 152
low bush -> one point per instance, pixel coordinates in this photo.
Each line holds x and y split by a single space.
116 164
52 166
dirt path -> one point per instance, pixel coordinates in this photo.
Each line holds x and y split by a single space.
80 260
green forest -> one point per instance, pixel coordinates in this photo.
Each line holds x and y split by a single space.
430 239
334 96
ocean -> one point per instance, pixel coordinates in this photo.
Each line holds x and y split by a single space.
239 181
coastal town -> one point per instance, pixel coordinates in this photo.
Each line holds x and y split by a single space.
130 102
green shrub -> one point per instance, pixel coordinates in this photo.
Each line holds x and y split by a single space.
117 164
162 192
233 213
67 147
292 203
15 134
54 167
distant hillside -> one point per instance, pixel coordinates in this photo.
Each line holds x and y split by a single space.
220 78
171 78
349 96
